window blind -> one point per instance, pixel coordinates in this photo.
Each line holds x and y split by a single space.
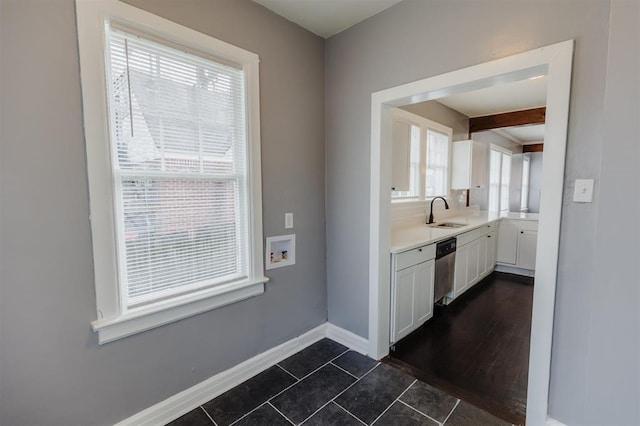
179 158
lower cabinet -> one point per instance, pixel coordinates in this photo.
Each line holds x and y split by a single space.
517 243
475 259
411 298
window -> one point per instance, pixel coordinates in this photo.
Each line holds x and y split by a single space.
499 177
176 208
430 147
524 197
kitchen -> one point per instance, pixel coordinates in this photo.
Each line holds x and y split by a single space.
464 221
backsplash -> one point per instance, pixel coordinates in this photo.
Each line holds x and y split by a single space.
411 213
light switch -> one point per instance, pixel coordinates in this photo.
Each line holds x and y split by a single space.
583 192
288 220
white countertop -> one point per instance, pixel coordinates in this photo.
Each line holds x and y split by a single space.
416 235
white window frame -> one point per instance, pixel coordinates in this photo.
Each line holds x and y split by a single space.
425 125
502 151
112 321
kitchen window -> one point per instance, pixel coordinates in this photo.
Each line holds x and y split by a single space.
428 147
174 169
526 170
499 177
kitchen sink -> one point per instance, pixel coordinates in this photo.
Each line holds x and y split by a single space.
448 225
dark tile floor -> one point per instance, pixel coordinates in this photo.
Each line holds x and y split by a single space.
327 384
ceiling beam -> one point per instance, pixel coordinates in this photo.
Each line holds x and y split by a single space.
534 147
507 119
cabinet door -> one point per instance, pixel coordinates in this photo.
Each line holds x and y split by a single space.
482 256
424 294
507 241
461 165
473 257
460 271
478 165
403 306
527 242
491 251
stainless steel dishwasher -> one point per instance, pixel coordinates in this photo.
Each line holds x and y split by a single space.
445 267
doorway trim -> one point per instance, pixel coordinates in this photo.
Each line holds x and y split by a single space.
555 61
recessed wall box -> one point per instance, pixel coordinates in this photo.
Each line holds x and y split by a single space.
280 251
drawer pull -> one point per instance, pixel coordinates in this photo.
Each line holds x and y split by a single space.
419 249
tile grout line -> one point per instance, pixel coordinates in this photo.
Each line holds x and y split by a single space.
418 411
349 413
452 410
304 377
280 412
247 413
288 387
394 401
340 368
343 391
210 418
286 371
295 383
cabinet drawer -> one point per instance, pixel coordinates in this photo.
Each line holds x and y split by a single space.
467 237
528 225
415 256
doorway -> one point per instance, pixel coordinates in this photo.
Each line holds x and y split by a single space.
553 61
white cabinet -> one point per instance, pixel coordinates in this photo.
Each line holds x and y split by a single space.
411 290
517 243
460 281
473 256
508 241
487 255
468 164
475 259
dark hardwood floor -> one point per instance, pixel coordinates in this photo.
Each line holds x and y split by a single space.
477 348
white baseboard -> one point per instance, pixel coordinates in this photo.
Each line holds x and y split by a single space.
554 422
347 338
513 270
189 399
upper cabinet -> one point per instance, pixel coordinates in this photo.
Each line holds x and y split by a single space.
469 164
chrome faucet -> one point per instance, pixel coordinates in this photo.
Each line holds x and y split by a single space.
446 206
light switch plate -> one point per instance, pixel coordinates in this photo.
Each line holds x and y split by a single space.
583 192
288 220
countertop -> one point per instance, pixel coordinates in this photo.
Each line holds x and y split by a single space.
416 235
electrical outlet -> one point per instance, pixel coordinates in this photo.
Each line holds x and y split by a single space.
288 220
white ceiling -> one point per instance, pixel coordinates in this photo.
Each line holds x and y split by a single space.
327 17
524 94
523 134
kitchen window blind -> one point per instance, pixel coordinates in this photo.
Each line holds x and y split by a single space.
179 162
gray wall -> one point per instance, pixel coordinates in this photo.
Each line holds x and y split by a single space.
607 354
53 371
594 368
435 111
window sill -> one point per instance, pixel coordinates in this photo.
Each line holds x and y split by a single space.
143 319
